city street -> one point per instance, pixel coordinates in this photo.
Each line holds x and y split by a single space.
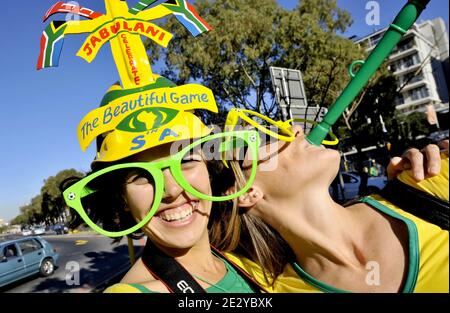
87 263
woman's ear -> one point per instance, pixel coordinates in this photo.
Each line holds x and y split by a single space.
250 198
230 191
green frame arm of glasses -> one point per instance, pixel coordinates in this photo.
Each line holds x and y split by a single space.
234 115
77 191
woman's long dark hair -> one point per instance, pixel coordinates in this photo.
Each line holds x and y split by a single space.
232 229
105 207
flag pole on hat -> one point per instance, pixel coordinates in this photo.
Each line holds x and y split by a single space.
122 28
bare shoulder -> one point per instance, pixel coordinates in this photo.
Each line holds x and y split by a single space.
138 274
375 219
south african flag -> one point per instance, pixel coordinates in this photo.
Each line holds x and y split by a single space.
184 12
52 40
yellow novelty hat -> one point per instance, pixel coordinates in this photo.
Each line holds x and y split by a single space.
148 110
119 144
130 121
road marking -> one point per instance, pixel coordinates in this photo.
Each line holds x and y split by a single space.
80 242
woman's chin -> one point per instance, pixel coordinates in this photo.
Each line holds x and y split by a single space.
331 161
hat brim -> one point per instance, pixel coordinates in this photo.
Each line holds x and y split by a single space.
119 144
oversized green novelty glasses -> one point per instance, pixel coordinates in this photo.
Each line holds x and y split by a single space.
284 131
143 182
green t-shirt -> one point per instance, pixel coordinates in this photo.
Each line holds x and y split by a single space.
232 282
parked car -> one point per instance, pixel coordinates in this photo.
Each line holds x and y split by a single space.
27 232
60 229
438 136
353 180
38 230
22 257
49 230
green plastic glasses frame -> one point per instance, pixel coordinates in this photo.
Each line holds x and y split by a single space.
284 126
231 140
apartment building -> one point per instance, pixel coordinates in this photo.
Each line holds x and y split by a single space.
420 62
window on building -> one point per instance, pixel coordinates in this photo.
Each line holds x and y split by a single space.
408 61
406 77
417 78
395 66
404 45
375 39
399 100
419 93
411 78
405 62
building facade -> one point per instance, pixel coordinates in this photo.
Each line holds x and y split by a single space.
420 62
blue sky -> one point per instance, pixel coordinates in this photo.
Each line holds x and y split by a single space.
40 110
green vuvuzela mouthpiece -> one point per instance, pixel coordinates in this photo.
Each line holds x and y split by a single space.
402 22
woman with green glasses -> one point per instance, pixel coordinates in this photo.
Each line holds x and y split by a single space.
164 191
368 246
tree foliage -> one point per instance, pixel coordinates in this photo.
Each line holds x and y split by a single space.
48 207
248 37
363 122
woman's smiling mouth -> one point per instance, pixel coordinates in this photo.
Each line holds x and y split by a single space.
178 214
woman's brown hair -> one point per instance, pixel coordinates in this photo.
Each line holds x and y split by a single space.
234 230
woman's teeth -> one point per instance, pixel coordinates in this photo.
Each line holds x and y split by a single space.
179 215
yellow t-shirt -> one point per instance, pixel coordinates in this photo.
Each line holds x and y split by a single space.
233 281
436 186
428 247
126 288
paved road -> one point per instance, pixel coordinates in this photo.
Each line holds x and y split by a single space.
86 263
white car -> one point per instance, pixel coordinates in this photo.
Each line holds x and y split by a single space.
27 232
38 230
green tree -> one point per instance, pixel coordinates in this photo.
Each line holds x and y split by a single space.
361 126
312 44
19 220
48 207
408 128
418 124
31 213
53 206
248 37
362 122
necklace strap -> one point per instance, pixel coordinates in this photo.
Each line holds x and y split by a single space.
171 273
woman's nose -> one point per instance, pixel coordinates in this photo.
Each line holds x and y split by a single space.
171 188
297 130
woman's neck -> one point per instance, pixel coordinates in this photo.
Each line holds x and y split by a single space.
320 232
198 259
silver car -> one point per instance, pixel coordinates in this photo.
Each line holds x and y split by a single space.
27 232
38 230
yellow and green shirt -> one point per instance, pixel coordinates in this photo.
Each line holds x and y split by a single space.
428 269
232 282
